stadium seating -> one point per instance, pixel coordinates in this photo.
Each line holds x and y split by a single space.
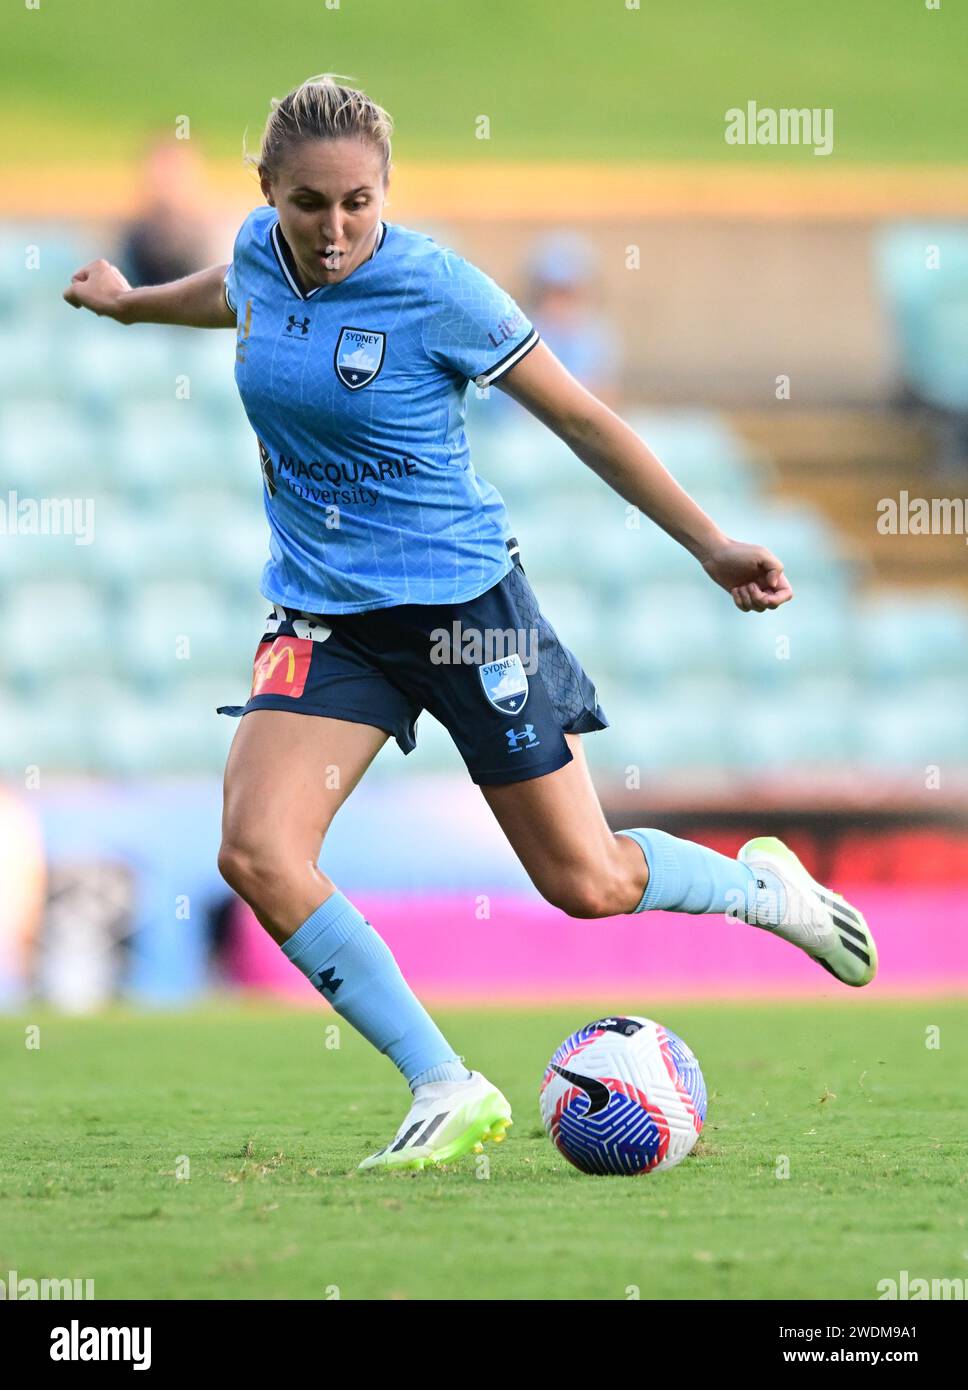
923 273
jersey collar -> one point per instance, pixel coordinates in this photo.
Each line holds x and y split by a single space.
287 263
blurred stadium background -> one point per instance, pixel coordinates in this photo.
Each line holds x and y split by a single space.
686 280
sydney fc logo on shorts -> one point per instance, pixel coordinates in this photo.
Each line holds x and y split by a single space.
359 356
505 684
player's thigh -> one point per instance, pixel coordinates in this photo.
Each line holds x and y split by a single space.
286 776
558 830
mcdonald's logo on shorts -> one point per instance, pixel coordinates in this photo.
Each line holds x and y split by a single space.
281 666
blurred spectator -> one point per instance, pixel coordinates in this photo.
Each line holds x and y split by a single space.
922 271
560 297
168 236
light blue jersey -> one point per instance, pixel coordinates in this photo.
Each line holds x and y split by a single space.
356 392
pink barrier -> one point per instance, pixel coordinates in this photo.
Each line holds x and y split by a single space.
526 951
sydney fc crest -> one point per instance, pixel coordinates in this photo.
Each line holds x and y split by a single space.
505 683
359 356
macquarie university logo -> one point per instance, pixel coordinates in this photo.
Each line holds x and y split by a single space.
359 356
505 684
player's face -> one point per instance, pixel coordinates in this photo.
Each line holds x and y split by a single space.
329 195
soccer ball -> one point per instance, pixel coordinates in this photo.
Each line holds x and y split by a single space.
623 1095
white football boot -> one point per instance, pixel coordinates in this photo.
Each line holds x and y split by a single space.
447 1119
819 921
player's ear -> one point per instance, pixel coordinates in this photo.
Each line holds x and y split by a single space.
265 183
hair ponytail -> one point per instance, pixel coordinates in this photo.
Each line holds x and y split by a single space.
321 108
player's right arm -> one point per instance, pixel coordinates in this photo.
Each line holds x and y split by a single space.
197 301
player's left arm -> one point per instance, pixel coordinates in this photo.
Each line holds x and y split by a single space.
611 448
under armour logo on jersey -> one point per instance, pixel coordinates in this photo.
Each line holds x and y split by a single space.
327 981
292 323
521 738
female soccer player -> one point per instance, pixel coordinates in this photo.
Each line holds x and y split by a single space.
356 341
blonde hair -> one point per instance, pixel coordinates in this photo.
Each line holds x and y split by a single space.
321 108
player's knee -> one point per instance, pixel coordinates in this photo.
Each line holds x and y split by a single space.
249 869
582 894
234 864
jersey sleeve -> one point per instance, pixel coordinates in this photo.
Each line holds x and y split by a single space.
472 326
231 290
235 275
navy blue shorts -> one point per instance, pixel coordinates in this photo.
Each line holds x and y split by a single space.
492 670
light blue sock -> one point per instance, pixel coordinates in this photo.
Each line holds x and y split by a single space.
351 966
686 877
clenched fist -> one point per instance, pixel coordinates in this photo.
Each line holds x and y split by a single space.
751 573
101 288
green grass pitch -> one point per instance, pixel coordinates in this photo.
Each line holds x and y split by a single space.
559 80
872 1121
